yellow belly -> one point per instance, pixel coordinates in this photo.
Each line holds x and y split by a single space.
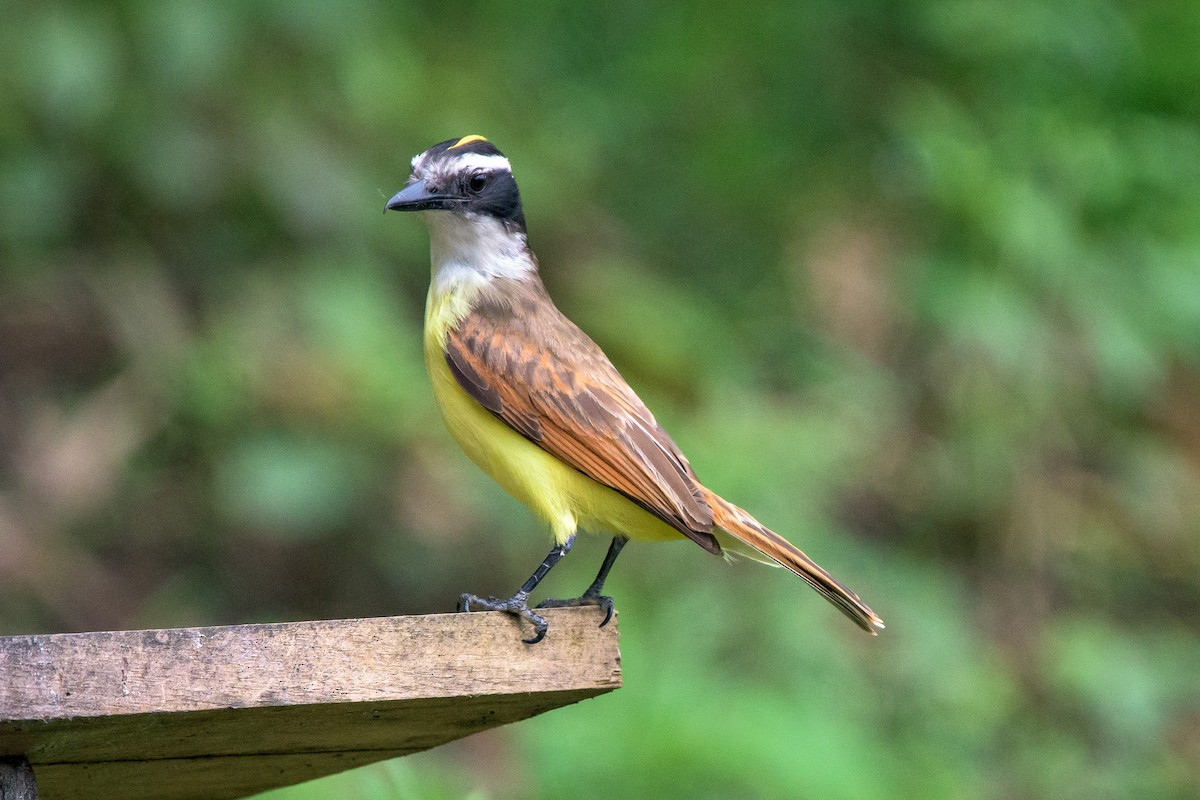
561 495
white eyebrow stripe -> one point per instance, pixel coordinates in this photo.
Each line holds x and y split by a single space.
481 161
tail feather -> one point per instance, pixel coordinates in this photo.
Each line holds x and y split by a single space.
747 530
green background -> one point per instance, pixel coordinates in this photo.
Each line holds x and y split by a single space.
917 283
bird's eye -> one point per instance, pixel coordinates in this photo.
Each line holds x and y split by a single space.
477 182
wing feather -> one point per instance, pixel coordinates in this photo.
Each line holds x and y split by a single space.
525 362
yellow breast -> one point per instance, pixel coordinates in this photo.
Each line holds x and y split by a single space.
561 495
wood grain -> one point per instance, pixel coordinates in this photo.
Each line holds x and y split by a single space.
228 711
16 780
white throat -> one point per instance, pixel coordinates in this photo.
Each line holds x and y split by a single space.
471 250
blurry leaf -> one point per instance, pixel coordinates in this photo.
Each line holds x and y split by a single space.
69 63
1127 684
290 486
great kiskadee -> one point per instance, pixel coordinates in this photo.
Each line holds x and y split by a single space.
536 404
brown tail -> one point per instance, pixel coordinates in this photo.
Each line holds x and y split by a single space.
747 530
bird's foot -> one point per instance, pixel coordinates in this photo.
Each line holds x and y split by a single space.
515 605
588 598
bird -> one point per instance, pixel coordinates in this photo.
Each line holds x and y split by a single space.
538 406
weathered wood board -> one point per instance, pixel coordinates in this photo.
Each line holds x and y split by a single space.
226 712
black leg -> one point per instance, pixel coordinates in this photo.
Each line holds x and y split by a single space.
592 596
518 604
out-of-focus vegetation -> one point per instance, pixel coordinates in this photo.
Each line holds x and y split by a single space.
918 283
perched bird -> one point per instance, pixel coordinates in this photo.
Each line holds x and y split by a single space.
536 404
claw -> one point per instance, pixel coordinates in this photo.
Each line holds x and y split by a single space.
515 605
539 627
603 601
608 610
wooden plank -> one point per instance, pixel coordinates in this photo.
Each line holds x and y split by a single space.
193 777
228 711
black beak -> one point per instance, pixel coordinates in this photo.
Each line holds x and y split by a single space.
418 197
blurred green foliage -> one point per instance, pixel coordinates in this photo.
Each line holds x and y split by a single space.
918 283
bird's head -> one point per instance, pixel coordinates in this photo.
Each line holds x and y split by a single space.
465 177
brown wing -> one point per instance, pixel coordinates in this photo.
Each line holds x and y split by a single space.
521 359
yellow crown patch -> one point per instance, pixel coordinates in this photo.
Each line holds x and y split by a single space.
474 137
